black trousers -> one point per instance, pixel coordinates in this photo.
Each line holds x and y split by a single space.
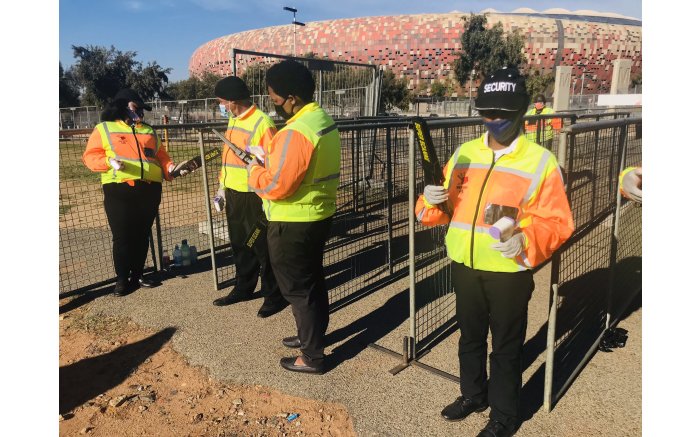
498 301
130 213
296 252
242 212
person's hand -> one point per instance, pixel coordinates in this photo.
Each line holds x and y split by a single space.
220 199
116 164
252 163
181 169
512 247
435 194
632 185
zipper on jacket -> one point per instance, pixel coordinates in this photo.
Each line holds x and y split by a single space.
478 203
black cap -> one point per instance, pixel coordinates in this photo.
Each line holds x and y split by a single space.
540 98
502 90
231 88
132 96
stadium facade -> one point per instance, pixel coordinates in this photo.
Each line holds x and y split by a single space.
423 47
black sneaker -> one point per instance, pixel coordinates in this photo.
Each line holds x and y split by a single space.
461 408
496 429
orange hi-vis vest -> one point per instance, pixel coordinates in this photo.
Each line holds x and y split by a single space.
138 148
527 182
300 179
252 128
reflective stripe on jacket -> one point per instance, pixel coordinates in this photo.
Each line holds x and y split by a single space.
252 128
138 148
547 125
300 179
527 179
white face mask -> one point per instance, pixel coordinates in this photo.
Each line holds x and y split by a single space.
224 112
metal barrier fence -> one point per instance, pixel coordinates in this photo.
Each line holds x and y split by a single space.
374 239
597 273
343 89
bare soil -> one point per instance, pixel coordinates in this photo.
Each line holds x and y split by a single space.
117 378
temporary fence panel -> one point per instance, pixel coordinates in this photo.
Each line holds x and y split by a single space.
343 89
184 111
584 289
80 117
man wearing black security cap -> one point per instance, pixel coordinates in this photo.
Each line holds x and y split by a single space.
252 130
510 214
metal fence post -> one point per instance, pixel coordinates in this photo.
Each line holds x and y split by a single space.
411 233
207 206
551 337
390 200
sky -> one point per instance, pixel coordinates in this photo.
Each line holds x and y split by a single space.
169 31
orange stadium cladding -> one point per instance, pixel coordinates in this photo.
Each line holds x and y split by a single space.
423 47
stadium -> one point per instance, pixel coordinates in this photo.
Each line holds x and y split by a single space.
422 48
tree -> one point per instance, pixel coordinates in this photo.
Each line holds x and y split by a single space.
438 89
486 50
68 93
193 87
395 93
101 72
537 83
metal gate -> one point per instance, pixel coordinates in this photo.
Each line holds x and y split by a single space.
343 89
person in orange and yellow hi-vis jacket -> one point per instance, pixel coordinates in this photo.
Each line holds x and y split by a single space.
298 185
631 183
546 126
510 214
128 154
252 130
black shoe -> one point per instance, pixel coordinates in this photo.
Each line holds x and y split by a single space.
496 429
148 283
292 342
269 309
231 298
288 363
122 288
461 408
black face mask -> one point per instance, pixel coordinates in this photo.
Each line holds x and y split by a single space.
282 113
135 115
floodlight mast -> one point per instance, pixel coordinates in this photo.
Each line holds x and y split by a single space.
294 24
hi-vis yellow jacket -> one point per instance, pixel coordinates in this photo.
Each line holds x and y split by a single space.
300 179
139 149
528 180
252 128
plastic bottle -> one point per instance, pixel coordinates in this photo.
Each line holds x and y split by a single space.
166 261
186 260
193 254
177 256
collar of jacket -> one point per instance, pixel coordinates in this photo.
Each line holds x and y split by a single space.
520 147
247 113
306 108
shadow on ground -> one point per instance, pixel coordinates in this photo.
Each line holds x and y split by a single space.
87 378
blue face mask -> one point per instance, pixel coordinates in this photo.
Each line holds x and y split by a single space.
135 116
223 110
503 130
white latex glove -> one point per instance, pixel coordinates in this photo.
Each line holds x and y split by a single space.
116 164
435 194
632 183
512 247
220 199
178 169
